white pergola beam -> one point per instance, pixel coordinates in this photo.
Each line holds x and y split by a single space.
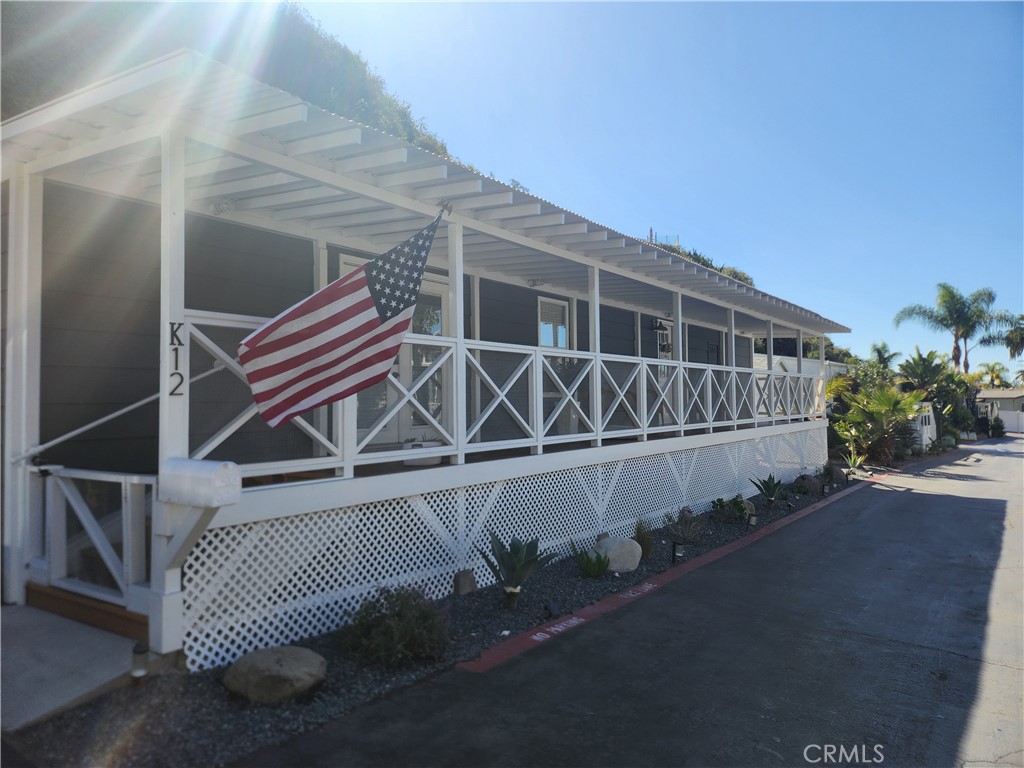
395 156
297 113
321 176
417 176
332 140
454 189
240 186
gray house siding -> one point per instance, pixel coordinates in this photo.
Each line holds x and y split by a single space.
704 345
100 336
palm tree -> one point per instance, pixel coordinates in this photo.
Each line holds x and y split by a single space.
923 372
1012 338
982 319
883 355
963 316
993 374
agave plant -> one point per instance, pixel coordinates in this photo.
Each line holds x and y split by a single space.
514 564
854 460
685 526
770 488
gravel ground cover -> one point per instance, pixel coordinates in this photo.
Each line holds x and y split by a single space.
181 720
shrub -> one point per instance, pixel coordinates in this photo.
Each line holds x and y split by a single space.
592 564
642 536
998 427
398 625
731 511
800 489
686 526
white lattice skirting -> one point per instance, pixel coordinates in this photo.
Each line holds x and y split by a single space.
277 581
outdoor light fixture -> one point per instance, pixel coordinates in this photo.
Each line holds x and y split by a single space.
140 661
657 325
678 551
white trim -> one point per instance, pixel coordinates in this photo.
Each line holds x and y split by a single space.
269 502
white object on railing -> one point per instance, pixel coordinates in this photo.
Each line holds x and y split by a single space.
200 483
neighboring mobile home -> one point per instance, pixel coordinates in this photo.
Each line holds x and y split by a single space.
1007 404
562 379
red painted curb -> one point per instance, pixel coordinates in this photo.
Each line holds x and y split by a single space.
498 654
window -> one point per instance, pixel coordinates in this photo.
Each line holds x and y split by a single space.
554 323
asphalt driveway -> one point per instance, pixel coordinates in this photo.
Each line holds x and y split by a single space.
884 629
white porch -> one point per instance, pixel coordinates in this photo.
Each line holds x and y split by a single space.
162 149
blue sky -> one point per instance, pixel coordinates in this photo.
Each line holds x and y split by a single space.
848 156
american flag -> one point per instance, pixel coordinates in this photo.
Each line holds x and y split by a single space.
341 339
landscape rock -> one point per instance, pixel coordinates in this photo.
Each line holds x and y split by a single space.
623 554
274 675
749 507
811 483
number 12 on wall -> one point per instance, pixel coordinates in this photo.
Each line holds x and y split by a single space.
176 345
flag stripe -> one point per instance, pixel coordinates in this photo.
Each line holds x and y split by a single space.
310 373
295 402
327 317
294 318
279 363
341 339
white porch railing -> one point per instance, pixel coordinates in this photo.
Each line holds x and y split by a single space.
96 539
514 396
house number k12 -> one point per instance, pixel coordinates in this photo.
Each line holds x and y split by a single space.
176 345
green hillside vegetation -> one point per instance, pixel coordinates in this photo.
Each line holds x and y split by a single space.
49 49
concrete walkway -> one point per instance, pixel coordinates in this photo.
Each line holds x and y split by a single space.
885 628
50 663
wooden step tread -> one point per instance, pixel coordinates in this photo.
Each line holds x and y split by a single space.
86 610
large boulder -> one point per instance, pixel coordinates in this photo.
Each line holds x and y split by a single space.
623 554
274 675
810 482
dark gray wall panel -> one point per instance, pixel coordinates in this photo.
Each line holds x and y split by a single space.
100 328
246 271
618 331
704 345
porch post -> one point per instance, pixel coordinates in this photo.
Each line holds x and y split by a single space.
819 403
731 354
679 354
770 347
166 613
21 398
799 371
596 409
456 302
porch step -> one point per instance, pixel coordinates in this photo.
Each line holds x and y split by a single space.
87 610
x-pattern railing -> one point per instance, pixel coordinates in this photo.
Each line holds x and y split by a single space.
695 384
721 407
407 396
662 380
227 361
548 395
621 392
568 395
500 396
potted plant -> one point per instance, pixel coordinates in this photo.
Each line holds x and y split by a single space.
514 564
423 441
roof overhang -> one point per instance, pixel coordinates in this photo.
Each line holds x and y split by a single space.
259 156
